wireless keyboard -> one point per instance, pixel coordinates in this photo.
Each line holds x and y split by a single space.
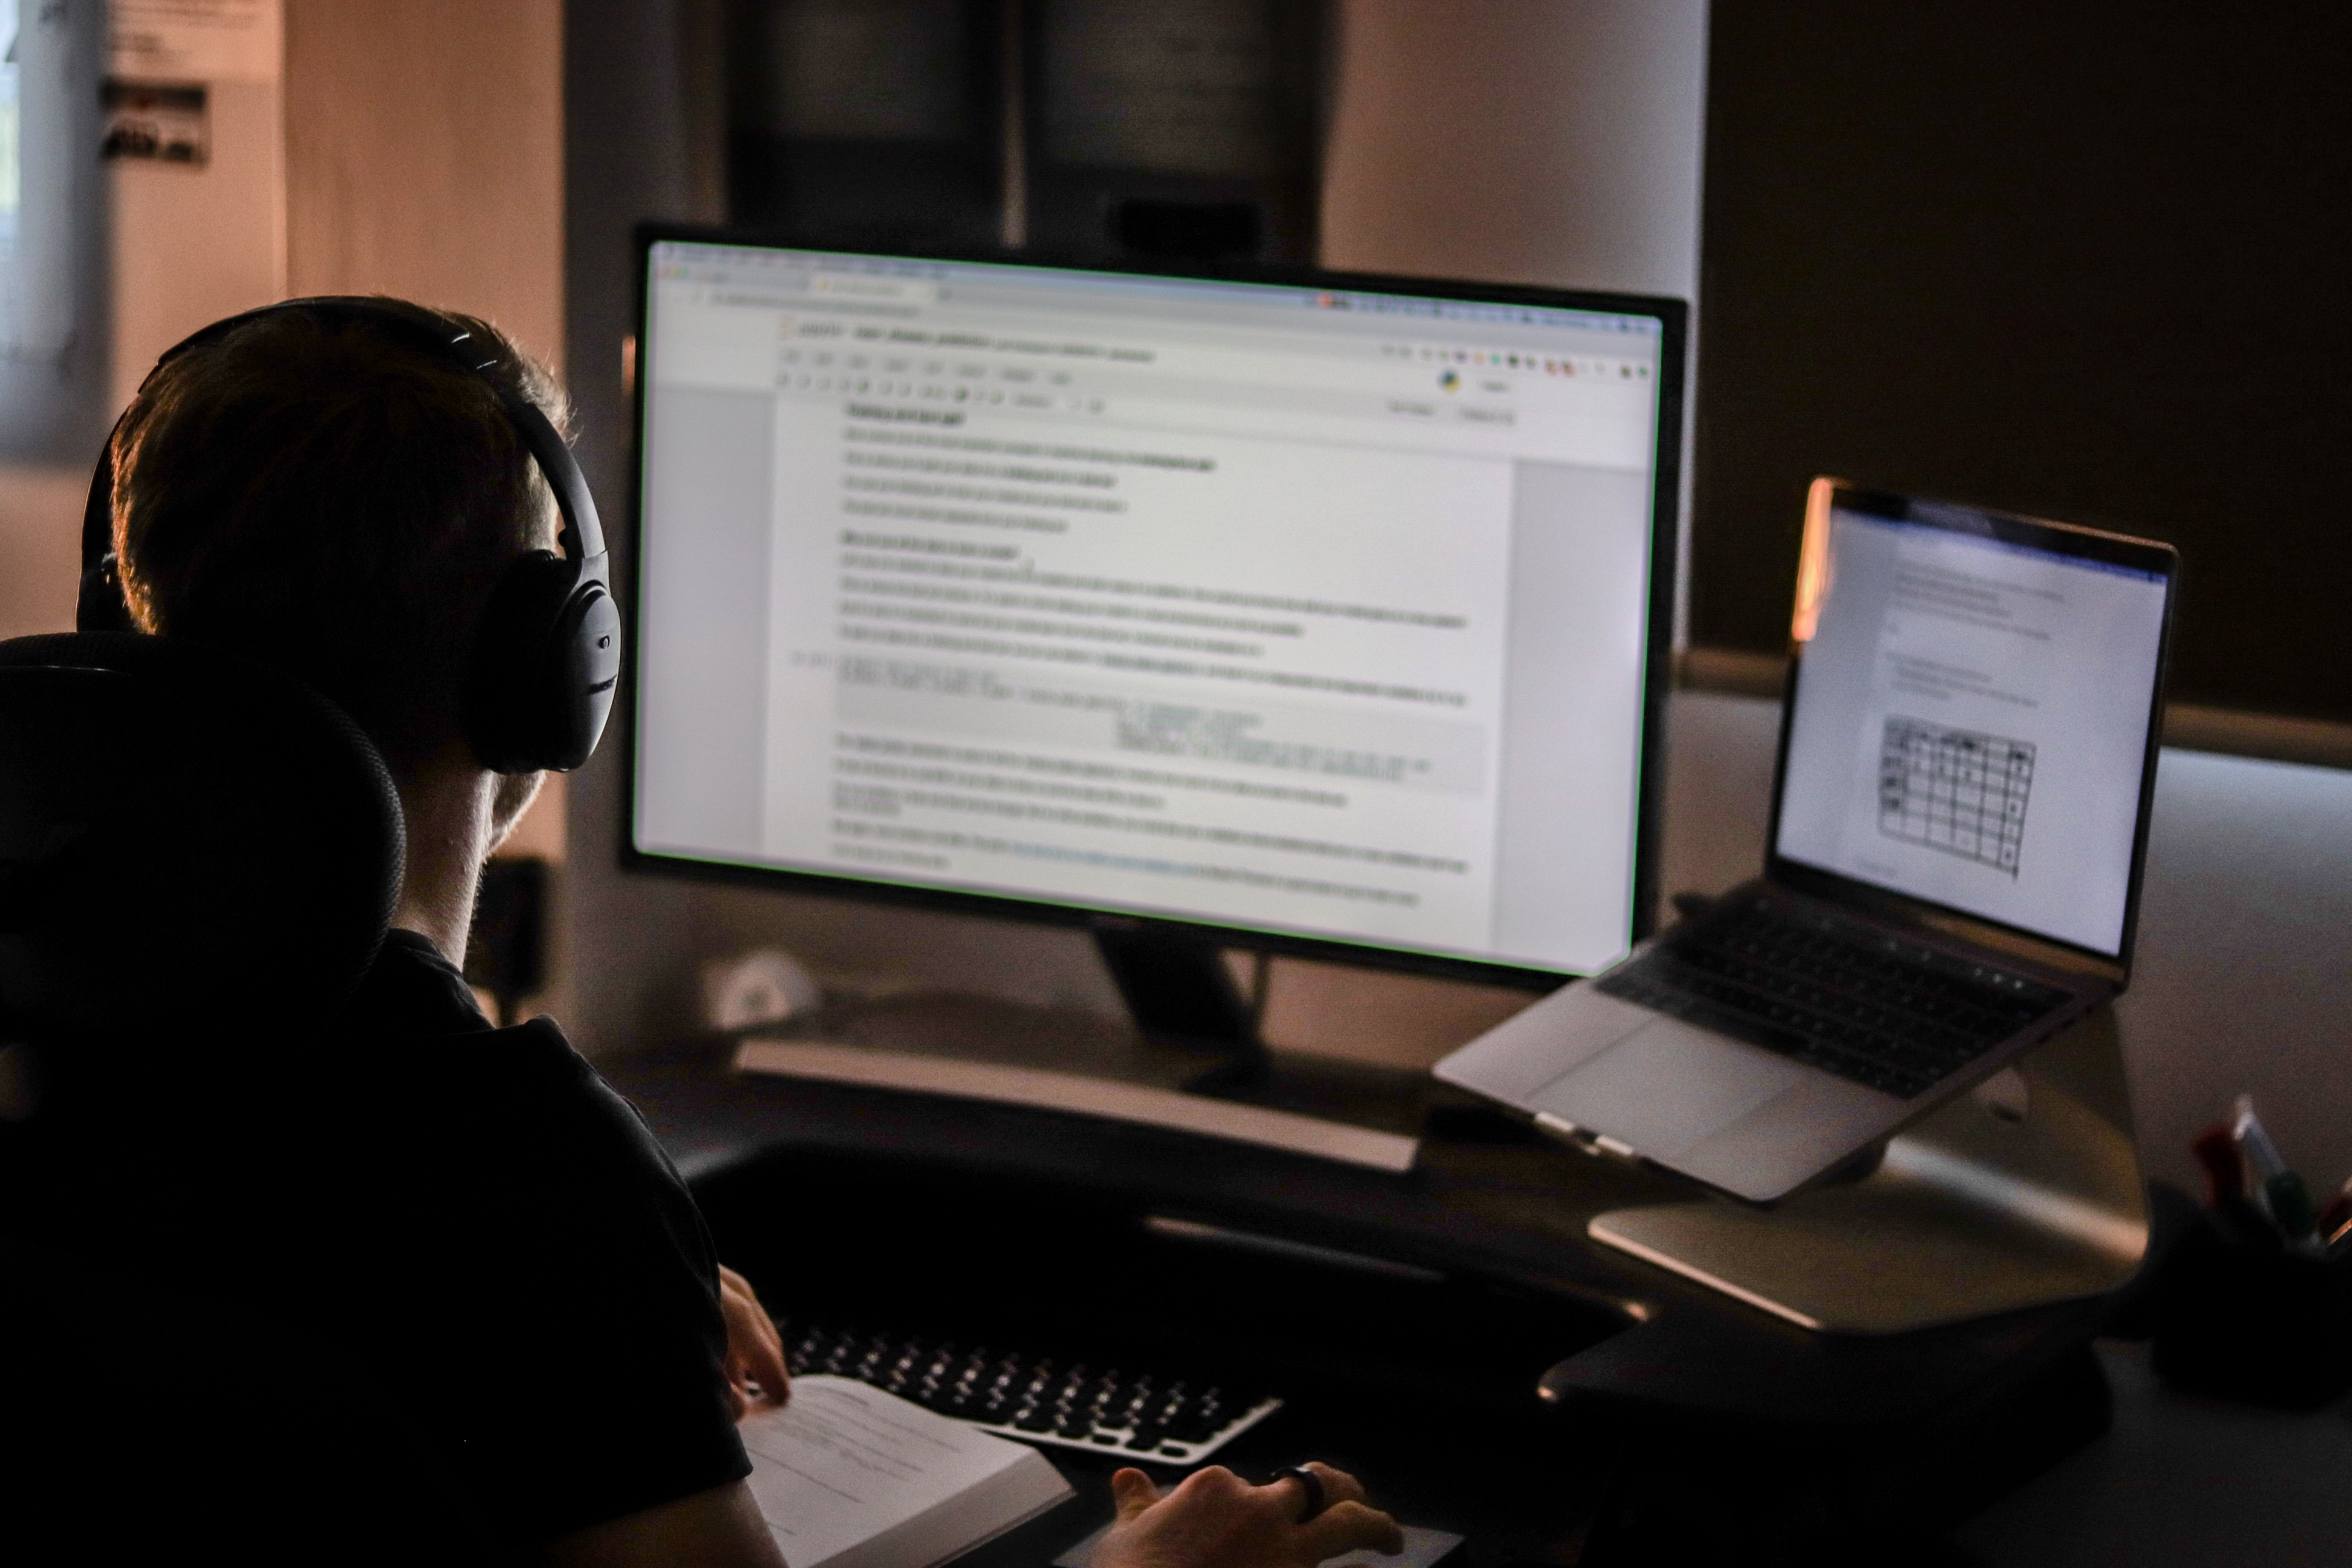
1168 1416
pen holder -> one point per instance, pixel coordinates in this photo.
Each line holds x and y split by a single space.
2239 1320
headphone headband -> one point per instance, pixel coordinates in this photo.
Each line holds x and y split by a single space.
582 537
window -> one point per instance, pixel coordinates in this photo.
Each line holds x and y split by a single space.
53 357
37 176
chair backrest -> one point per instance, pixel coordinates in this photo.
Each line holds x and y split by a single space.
199 860
175 827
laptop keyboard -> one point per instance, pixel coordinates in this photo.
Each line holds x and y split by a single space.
1835 994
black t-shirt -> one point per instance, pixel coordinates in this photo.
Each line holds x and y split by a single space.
563 1317
425 1290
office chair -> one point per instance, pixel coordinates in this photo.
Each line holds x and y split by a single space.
198 861
172 821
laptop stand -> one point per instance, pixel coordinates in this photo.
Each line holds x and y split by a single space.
2023 1192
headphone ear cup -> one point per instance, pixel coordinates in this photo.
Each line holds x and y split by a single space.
545 662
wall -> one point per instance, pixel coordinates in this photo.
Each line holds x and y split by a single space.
182 245
424 159
1552 141
2083 261
193 244
1433 168
425 156
40 562
411 147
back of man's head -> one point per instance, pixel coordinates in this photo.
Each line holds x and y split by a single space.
316 494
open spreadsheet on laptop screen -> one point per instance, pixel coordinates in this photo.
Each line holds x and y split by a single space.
1281 609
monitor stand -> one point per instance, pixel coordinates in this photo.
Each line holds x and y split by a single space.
2024 1191
1191 1060
1180 994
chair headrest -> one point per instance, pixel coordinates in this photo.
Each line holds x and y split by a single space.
187 838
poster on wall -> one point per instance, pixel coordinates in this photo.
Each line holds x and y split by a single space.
167 122
162 57
194 41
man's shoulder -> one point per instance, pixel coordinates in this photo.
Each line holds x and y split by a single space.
535 1057
516 1105
415 1046
506 1184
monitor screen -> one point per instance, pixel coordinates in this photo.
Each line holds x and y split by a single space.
1316 611
1971 719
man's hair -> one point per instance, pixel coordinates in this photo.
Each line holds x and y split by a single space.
317 494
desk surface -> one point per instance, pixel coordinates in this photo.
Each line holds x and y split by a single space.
1513 1211
2176 1479
2179 1480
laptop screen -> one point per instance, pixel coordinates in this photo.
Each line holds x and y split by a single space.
1969 723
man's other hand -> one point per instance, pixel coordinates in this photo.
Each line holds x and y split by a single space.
755 1352
1216 1519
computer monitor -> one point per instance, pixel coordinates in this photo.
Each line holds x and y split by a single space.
1296 610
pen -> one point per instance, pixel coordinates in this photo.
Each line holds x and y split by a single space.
2262 1156
2278 1190
2254 1143
2225 1186
2225 1173
2339 1212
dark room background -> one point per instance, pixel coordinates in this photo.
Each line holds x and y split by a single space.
2086 261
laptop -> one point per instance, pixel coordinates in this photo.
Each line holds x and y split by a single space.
1959 819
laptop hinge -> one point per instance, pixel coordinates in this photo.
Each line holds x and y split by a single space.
2016 945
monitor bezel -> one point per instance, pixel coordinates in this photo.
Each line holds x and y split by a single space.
1665 494
2151 556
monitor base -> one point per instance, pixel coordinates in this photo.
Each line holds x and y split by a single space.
2021 1193
988 1049
1045 1089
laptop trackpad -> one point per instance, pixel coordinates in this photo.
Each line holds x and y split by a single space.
1665 1087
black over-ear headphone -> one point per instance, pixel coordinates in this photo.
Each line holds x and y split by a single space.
539 678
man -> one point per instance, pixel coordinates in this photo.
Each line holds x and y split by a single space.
522 1347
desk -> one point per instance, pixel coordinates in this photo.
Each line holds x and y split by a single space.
2178 1481
1704 1392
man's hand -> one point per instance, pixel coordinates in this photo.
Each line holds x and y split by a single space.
755 1352
1216 1519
